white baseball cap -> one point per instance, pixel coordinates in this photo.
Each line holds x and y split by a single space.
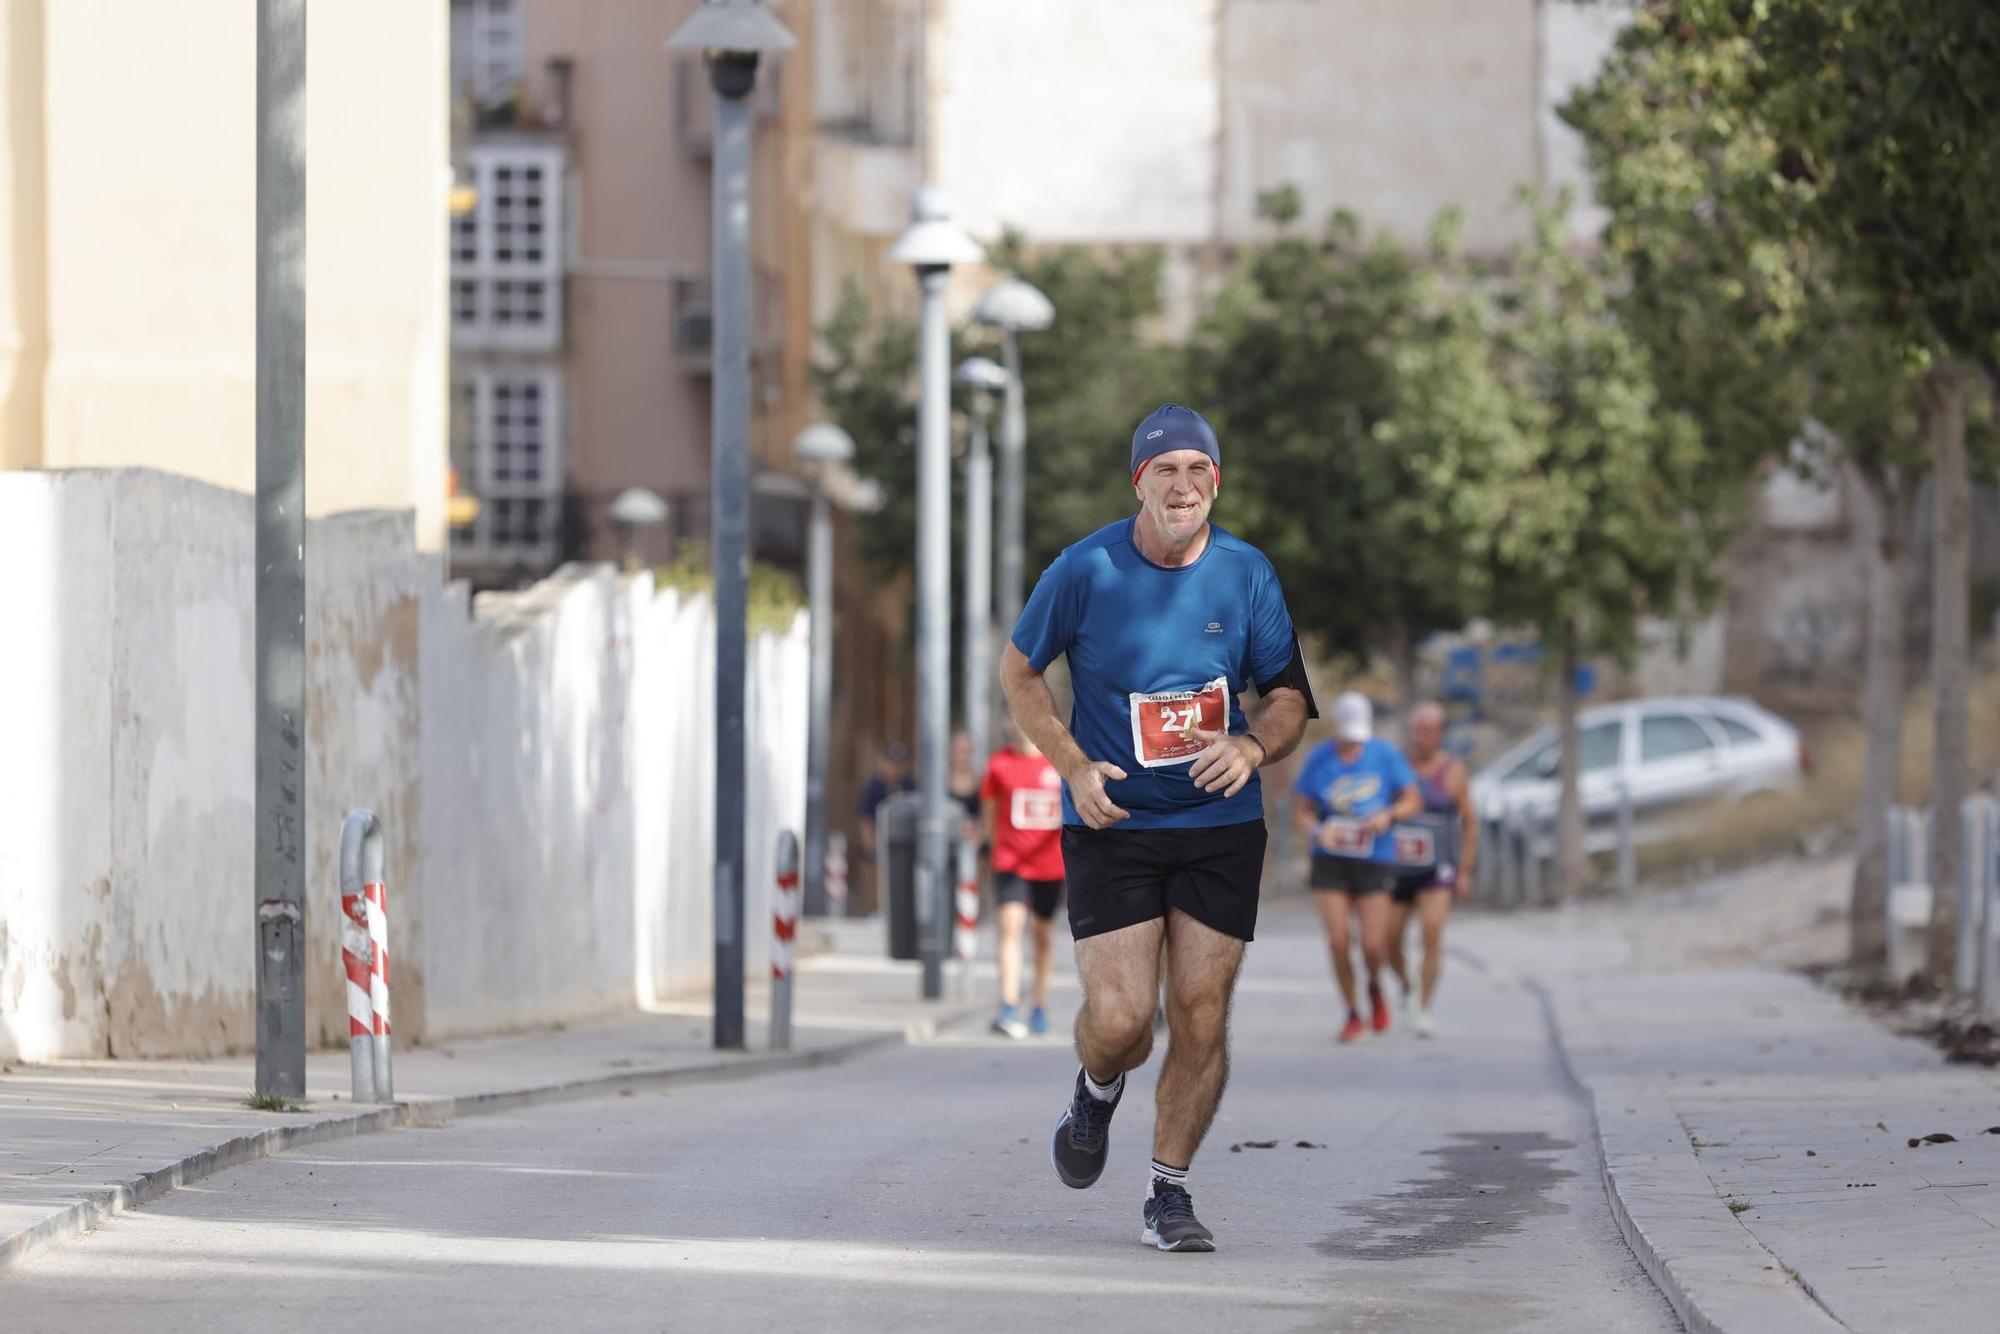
1353 716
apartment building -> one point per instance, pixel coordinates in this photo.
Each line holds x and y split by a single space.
581 322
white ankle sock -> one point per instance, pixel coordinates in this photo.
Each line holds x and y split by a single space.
1173 1176
1103 1092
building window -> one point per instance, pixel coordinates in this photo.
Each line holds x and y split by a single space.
506 254
511 420
493 34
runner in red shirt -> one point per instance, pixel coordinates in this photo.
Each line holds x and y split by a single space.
1021 801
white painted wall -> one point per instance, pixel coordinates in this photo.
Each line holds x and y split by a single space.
542 765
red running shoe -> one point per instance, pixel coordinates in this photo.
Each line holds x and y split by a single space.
1379 1007
1355 1030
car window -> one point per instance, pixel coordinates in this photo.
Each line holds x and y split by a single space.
1530 766
1597 747
1670 735
1739 734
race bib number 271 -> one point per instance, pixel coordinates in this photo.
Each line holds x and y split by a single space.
1164 724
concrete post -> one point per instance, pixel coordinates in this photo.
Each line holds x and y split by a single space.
280 577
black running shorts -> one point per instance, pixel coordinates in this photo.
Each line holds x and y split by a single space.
1349 875
1412 883
1041 896
1121 877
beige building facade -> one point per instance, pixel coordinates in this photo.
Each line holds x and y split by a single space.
1160 122
582 323
127 245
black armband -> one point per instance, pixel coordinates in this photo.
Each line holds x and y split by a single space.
1293 677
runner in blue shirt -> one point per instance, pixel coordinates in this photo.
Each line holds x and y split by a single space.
1351 790
1165 620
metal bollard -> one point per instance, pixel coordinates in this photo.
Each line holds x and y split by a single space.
836 874
965 920
1532 888
1628 858
784 940
1989 936
364 953
1971 927
1509 849
1487 883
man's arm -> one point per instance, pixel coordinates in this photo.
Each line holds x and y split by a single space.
1408 804
1230 760
1459 784
1034 710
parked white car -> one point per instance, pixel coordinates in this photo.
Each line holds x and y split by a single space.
1670 754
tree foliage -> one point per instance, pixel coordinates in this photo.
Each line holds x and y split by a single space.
1301 361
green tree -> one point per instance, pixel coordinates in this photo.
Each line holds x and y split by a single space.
1090 378
1302 362
1748 333
1610 510
1885 115
865 379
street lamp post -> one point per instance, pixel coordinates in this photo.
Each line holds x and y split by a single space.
982 377
732 34
279 582
931 245
821 447
1012 306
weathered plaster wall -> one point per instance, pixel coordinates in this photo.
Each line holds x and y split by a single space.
541 763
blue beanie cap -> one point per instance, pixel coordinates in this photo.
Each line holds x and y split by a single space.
1170 427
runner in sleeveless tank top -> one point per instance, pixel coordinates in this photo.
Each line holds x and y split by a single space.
1442 780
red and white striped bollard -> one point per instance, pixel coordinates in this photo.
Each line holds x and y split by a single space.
784 939
965 924
364 956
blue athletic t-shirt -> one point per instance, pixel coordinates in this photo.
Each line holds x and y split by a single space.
1355 791
1153 654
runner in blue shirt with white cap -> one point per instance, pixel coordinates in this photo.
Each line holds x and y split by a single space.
1351 791
1165 619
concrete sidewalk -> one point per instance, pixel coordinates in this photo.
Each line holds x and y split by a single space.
1756 1130
82 1140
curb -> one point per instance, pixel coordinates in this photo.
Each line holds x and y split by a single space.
98 1207
1715 1274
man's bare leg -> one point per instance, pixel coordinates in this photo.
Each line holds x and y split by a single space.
1399 928
1120 975
1013 916
1201 978
1433 906
1044 931
1334 912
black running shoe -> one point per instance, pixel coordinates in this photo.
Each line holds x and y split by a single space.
1083 1137
1170 1221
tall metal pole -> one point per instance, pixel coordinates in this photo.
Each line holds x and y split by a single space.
1013 465
732 73
819 580
977 613
280 578
934 622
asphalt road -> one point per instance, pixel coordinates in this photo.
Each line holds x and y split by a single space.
1449 1185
